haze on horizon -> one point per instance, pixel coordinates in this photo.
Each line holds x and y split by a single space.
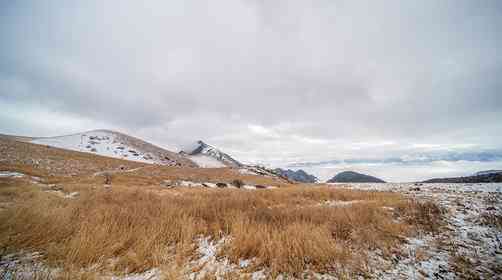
403 90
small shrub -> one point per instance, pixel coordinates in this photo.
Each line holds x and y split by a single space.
426 215
108 178
492 220
238 183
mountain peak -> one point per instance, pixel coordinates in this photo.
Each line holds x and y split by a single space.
206 155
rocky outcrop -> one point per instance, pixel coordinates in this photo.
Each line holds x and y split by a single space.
298 176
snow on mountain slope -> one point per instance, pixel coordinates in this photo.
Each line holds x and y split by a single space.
114 144
209 156
206 161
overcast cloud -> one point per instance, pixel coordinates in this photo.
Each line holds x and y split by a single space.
274 82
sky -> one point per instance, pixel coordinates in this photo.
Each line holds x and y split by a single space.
404 90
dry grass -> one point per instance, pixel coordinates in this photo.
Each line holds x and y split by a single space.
128 229
492 220
59 165
424 215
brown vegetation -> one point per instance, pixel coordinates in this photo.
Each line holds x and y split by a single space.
136 224
130 229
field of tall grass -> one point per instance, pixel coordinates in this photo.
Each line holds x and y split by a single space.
289 230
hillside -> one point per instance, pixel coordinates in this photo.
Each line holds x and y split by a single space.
67 210
208 156
484 178
217 219
354 177
485 172
111 144
61 164
298 176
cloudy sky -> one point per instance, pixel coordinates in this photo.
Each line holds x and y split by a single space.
399 89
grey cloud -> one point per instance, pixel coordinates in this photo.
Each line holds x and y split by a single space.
316 77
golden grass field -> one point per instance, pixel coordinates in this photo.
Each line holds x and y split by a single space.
136 224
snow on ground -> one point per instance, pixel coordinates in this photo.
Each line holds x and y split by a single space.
246 171
339 203
441 187
24 265
151 274
470 244
10 174
210 264
190 184
63 194
206 161
49 188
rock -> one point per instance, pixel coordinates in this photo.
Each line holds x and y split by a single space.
55 187
167 184
72 195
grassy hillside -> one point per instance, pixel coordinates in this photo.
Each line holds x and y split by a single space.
134 224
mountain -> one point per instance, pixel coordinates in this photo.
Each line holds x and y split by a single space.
298 176
205 155
483 178
485 172
354 177
111 144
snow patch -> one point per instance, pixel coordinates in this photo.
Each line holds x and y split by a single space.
339 203
104 143
206 161
10 174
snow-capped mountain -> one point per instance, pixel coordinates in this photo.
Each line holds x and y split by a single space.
114 144
206 155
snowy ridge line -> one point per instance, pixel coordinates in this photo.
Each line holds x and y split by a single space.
206 155
116 145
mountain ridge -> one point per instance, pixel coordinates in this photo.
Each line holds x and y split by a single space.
112 144
205 154
484 178
485 172
298 175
